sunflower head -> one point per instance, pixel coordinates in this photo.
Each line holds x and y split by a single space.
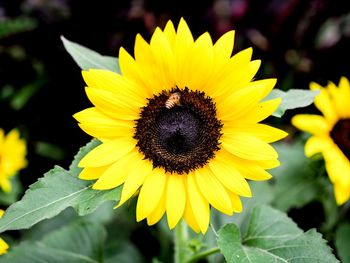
181 125
184 131
331 134
12 157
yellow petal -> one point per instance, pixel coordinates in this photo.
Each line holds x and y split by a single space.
190 219
157 213
175 199
146 55
116 173
337 165
93 115
244 100
338 100
200 206
92 173
213 190
324 103
253 68
2 137
224 82
261 111
199 64
170 33
12 156
151 192
104 132
266 84
128 66
143 52
5 184
262 131
230 177
108 152
338 169
236 202
223 49
132 71
12 136
268 164
183 45
3 246
253 170
184 36
343 98
116 84
99 125
315 145
165 60
248 147
136 177
342 194
344 84
234 82
112 105
314 124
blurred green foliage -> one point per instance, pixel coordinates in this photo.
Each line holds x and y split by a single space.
17 25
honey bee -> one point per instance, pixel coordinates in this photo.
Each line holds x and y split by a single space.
173 100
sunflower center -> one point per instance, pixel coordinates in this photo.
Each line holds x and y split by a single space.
341 136
178 130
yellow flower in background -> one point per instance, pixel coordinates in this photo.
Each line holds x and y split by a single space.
12 157
331 134
3 245
182 125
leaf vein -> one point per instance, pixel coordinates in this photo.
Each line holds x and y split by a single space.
44 206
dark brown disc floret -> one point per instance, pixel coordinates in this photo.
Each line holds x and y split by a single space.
341 136
178 136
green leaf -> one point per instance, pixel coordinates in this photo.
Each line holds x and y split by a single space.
262 194
104 214
77 243
342 242
292 99
53 193
88 59
84 238
295 177
273 237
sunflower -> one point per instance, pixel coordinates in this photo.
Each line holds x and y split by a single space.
12 157
3 245
180 124
331 134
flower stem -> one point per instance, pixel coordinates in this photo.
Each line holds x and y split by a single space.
180 241
203 254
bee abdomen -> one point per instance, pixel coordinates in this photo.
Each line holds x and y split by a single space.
173 100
